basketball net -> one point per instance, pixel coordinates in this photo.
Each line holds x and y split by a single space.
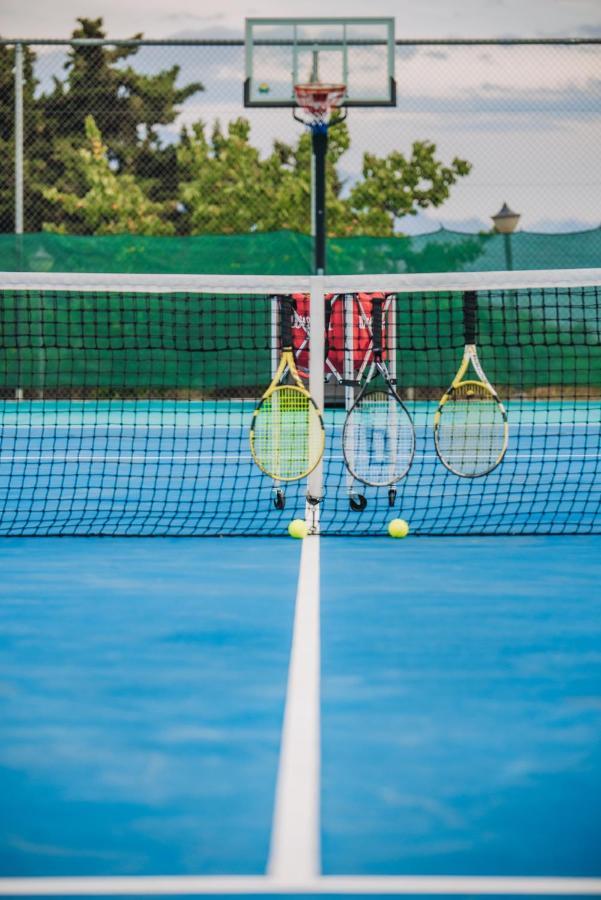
317 101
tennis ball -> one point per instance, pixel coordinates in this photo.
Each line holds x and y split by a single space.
263 88
298 528
398 528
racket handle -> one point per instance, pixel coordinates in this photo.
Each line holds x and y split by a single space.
470 303
286 311
376 327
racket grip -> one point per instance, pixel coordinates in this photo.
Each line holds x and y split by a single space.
376 326
470 302
286 311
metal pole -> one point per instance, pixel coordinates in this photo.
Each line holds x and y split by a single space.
316 389
313 198
320 147
18 139
18 131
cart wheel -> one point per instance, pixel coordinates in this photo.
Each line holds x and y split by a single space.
357 502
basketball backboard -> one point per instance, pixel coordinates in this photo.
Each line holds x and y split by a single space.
356 52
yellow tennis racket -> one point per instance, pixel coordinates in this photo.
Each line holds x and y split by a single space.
470 426
287 436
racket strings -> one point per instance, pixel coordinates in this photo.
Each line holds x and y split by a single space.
472 431
378 439
287 437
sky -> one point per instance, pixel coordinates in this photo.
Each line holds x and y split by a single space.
426 18
527 118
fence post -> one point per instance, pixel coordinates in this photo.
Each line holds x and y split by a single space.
18 139
19 174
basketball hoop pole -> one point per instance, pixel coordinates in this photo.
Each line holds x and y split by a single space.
317 102
319 138
356 57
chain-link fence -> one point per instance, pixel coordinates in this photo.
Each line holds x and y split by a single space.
152 138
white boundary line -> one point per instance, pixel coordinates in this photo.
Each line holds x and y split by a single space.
442 885
295 853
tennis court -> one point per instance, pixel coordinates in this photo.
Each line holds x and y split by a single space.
457 699
210 707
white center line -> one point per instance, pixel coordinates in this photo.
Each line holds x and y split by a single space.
295 853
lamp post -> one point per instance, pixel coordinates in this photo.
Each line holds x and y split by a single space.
505 222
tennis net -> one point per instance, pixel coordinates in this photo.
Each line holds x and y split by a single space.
126 401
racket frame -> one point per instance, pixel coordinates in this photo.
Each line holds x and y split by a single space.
378 366
287 366
470 355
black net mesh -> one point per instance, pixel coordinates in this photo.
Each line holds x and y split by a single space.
128 413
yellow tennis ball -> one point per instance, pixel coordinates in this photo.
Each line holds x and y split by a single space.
398 528
298 528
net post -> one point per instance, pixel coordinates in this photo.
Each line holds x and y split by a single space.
316 389
18 75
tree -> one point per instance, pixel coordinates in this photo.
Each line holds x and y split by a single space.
228 187
126 105
223 186
112 203
200 184
395 186
128 108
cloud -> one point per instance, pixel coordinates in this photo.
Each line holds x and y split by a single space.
525 117
184 15
429 18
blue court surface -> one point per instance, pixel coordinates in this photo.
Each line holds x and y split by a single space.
184 468
269 716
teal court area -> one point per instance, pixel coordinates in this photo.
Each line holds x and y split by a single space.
206 715
183 468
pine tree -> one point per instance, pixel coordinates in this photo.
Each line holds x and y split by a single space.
111 203
128 108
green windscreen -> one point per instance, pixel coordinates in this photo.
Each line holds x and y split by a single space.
290 253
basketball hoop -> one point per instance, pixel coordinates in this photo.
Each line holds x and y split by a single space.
317 102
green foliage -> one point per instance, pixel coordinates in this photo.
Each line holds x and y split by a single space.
223 185
112 203
396 186
228 187
95 161
128 107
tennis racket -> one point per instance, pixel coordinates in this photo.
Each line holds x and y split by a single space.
470 425
378 437
287 436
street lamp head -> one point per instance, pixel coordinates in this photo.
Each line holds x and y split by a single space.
505 221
